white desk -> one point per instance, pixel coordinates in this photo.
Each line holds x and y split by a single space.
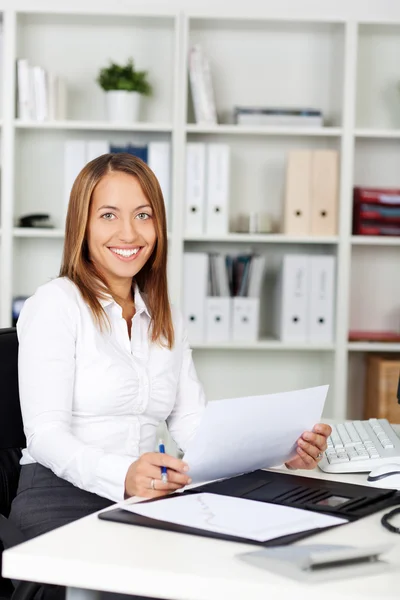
91 554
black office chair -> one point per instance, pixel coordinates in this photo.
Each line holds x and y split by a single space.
12 439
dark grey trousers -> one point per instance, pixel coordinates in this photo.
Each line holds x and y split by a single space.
45 502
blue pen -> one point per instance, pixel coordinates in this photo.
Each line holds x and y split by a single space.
164 476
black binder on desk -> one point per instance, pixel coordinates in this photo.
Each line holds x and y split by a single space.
344 500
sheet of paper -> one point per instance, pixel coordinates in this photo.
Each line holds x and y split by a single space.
258 521
240 435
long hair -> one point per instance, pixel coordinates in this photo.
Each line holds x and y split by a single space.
76 262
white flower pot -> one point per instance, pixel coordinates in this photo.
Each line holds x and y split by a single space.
122 105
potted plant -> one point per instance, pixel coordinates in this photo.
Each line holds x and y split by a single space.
124 87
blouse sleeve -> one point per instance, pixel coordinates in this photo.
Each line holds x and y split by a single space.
47 329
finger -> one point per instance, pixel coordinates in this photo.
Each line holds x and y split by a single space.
159 459
309 461
323 429
310 449
180 478
173 476
315 439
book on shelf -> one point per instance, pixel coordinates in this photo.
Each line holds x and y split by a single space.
41 95
201 87
285 117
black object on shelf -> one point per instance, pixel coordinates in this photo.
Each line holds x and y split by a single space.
36 220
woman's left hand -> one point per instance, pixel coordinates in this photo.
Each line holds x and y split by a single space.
310 447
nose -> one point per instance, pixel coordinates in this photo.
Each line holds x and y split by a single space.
127 233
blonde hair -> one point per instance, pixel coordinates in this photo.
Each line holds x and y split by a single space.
76 262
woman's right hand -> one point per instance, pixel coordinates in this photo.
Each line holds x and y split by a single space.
144 475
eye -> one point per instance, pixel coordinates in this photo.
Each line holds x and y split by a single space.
108 216
143 216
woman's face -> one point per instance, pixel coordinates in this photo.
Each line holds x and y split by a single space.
121 232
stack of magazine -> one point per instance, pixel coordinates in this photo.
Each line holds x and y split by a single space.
284 117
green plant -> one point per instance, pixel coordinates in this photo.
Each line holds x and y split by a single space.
124 77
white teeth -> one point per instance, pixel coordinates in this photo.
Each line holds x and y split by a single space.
125 253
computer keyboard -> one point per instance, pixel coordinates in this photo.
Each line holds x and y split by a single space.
356 446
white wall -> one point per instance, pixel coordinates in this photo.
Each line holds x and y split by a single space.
358 9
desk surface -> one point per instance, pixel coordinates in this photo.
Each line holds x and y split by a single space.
106 556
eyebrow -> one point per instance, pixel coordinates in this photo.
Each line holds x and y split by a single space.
117 209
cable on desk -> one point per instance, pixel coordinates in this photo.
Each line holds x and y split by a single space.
385 520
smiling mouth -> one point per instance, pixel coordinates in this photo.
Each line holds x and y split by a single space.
126 254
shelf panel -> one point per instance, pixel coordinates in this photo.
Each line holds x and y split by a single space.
271 131
266 344
264 238
93 125
378 133
36 232
372 347
375 240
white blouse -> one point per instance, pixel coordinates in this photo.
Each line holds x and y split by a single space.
91 401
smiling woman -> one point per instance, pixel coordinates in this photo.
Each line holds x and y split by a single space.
104 359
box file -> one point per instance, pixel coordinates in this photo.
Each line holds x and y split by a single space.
218 175
74 161
324 192
297 204
159 161
291 299
195 189
218 319
245 321
96 148
321 300
195 283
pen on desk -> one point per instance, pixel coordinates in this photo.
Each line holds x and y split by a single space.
161 448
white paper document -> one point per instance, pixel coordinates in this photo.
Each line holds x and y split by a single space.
240 435
238 517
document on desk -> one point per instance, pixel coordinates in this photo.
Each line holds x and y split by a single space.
240 435
237 517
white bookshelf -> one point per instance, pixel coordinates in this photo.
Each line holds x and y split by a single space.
265 131
340 65
263 238
36 232
373 347
378 133
371 240
94 126
265 344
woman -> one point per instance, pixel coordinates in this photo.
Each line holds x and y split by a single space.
103 359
